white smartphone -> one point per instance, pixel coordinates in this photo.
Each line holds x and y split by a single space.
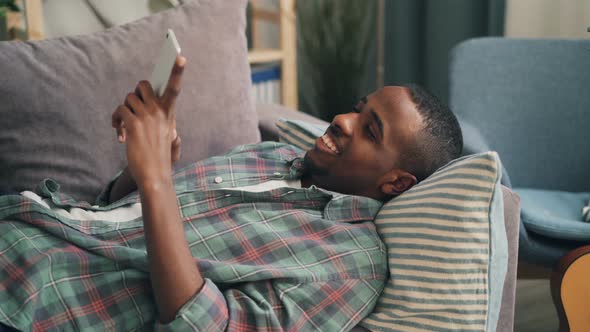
168 52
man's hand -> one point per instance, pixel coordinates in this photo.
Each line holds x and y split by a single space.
175 148
148 126
125 183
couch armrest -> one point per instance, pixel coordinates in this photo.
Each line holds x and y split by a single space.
512 223
269 114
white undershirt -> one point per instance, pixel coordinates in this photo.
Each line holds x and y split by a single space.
269 185
133 211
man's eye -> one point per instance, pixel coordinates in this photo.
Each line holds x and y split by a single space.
370 134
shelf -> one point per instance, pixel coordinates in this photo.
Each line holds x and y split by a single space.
28 24
286 54
264 56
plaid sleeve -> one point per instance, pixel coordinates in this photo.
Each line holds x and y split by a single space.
103 197
276 306
206 311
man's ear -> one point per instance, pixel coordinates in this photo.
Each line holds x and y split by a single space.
396 182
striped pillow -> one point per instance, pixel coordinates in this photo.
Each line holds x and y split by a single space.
446 243
300 133
439 239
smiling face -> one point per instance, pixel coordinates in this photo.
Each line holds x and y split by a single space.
361 152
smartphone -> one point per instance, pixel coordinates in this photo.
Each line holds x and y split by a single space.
161 73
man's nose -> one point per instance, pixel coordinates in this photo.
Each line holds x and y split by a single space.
343 124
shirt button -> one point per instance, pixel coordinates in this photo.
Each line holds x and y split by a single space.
218 179
52 185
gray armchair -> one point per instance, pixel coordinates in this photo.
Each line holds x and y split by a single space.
529 100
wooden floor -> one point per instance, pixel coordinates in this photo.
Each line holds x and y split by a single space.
534 310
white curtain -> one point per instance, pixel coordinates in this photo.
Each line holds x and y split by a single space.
547 18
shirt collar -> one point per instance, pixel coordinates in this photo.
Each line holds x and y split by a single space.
351 208
296 168
343 208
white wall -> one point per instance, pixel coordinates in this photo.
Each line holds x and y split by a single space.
547 18
69 17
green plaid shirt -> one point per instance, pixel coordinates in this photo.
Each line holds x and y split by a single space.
290 259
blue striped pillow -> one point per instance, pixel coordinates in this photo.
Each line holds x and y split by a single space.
439 240
447 246
300 133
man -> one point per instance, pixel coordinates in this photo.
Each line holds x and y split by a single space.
257 239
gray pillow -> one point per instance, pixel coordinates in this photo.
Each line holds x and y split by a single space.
57 95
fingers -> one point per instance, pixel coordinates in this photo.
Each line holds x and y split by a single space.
121 132
123 135
144 100
174 82
133 102
116 121
135 105
122 117
145 92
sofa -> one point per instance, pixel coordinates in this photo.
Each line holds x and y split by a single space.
58 96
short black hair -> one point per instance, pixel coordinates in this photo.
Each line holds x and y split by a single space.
440 139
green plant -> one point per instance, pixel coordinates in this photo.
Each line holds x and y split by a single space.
9 5
334 37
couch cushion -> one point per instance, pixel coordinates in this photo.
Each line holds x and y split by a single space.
447 251
554 214
57 95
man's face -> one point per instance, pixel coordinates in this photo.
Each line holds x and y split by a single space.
361 148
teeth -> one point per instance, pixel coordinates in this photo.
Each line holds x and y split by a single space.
330 144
